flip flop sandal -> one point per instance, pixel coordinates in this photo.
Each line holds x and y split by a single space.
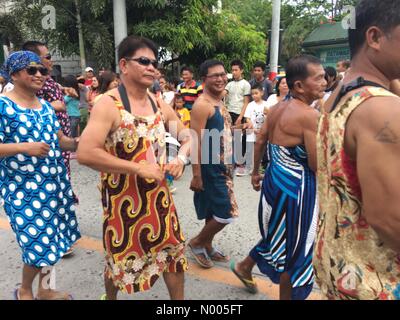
69 252
201 251
249 284
16 294
70 297
214 251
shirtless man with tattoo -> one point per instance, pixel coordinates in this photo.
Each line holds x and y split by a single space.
357 253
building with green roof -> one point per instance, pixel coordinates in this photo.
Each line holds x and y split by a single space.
329 42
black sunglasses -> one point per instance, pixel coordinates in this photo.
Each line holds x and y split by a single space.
47 56
33 70
144 61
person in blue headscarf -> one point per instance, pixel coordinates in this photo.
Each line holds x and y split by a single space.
34 184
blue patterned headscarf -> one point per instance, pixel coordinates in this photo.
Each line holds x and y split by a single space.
20 60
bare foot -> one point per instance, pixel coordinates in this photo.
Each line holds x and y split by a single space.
244 272
53 295
24 294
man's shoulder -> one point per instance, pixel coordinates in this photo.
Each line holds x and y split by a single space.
201 103
378 106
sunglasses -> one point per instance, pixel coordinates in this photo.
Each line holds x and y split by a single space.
47 56
33 70
144 61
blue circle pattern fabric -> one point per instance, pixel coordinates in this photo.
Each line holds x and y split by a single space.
38 197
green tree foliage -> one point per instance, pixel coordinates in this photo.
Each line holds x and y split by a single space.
298 18
98 39
187 28
198 34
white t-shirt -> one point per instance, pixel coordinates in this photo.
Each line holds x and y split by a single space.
8 87
272 100
255 112
237 90
168 96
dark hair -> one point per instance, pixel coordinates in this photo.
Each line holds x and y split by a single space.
257 86
238 63
186 68
330 72
278 92
206 65
178 96
131 44
104 81
297 68
259 64
70 81
33 46
384 14
346 63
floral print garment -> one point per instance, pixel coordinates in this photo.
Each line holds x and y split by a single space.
350 260
142 234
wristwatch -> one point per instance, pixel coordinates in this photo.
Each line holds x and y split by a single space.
184 159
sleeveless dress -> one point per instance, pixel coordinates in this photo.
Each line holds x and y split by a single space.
141 230
350 260
288 213
217 200
39 201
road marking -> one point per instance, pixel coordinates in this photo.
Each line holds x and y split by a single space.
216 274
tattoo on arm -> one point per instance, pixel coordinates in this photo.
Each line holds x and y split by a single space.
387 135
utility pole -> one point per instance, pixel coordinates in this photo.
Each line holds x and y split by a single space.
276 21
120 26
82 52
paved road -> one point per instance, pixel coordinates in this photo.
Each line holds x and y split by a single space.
81 274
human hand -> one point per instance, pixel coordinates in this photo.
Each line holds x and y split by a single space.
197 184
256 181
36 149
247 126
175 168
150 171
238 121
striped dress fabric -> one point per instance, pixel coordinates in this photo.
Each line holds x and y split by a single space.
288 213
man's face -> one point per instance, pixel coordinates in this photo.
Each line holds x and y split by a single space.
45 56
187 76
315 85
216 80
237 72
136 72
388 59
258 73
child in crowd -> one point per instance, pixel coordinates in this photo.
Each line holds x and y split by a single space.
255 114
72 95
182 112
